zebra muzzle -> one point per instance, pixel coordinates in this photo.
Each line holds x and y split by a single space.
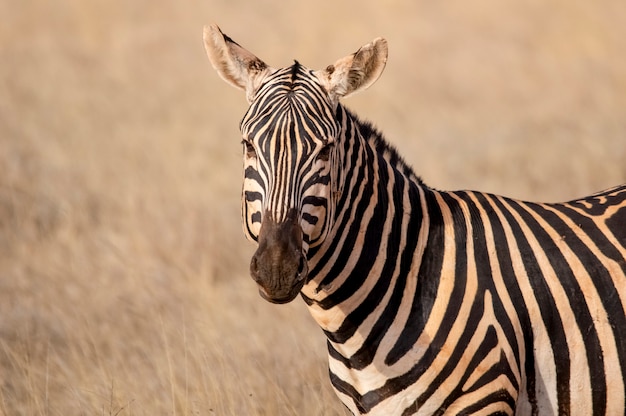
279 265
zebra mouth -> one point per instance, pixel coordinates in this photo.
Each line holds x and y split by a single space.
278 299
285 291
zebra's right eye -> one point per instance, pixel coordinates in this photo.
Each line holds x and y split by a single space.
249 149
324 153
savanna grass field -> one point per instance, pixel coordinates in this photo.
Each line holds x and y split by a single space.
124 286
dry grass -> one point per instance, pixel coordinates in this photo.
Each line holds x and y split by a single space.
123 284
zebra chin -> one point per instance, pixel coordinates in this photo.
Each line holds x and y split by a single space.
280 298
279 265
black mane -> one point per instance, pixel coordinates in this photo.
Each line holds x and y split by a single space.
375 137
294 70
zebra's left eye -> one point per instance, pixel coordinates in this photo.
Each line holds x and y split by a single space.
249 148
324 153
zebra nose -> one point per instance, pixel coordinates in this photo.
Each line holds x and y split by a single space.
279 265
280 275
261 272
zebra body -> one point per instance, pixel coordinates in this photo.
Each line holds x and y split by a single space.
432 302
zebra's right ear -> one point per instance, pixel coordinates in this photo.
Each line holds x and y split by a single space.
234 64
355 72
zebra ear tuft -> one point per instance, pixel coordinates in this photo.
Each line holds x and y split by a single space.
233 63
355 72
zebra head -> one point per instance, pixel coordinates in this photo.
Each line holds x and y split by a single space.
291 153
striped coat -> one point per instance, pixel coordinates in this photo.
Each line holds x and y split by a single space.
432 302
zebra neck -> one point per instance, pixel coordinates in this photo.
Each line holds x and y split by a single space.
372 252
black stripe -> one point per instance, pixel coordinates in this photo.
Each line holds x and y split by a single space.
364 355
251 196
604 285
310 218
252 174
314 201
427 283
347 389
369 253
472 320
498 396
617 225
512 284
349 224
547 305
412 234
489 342
502 367
483 266
343 223
597 204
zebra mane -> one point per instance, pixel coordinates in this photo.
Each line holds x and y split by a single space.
294 70
382 146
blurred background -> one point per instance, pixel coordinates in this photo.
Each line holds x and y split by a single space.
123 269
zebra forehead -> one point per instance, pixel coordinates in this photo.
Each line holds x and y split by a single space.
293 84
292 95
294 74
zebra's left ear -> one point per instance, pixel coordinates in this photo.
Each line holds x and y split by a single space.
355 72
234 64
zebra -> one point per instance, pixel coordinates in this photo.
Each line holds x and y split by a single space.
432 302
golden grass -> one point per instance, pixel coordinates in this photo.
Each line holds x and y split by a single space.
123 269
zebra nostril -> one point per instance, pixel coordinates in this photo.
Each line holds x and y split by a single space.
302 268
254 268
